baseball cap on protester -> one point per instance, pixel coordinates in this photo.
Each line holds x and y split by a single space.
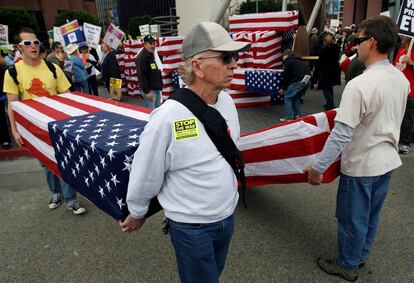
210 36
149 38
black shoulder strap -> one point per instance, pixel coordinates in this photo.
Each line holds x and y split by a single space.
52 68
13 71
13 74
216 128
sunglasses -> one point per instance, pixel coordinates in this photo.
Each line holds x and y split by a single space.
359 40
226 58
29 42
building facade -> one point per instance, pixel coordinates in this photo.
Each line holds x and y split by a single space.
45 10
107 12
152 8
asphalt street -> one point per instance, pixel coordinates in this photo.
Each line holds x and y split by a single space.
277 239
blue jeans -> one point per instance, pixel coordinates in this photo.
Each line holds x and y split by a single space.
201 249
329 97
359 202
59 187
155 102
292 99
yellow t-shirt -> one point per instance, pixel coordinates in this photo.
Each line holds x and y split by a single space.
35 81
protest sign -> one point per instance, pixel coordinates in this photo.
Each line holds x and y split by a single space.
4 35
113 36
405 20
57 35
72 33
144 30
92 34
115 86
334 23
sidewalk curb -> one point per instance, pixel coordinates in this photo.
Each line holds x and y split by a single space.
14 153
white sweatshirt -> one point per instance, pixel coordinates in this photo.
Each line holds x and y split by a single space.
177 161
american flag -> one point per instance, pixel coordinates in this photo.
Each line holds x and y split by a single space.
86 140
266 37
90 141
263 81
278 21
279 154
265 50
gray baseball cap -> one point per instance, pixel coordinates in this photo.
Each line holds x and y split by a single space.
210 36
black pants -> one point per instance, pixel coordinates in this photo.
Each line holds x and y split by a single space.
93 85
406 134
4 128
328 93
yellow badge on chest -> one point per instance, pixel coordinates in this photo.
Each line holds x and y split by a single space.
153 66
184 129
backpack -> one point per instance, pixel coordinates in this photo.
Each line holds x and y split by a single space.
13 71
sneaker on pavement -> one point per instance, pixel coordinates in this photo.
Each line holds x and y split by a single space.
404 149
55 202
6 145
76 208
284 120
331 266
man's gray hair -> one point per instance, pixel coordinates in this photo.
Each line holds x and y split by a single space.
186 69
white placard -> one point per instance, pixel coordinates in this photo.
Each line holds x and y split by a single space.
57 35
334 23
144 30
92 34
4 35
113 36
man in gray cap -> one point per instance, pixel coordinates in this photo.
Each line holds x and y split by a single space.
179 163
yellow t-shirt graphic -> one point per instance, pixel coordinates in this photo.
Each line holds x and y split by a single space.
35 81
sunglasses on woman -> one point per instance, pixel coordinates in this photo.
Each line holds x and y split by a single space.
226 58
29 42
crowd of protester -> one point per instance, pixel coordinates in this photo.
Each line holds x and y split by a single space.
210 59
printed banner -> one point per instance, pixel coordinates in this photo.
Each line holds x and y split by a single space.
113 36
92 34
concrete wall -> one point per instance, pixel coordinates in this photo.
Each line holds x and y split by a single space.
195 11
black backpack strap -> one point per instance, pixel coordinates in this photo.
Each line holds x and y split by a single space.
216 128
52 68
13 71
13 74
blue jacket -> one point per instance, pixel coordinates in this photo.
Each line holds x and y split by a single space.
78 69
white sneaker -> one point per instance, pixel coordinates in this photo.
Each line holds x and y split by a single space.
404 149
55 202
76 208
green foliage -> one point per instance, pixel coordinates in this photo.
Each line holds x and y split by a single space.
135 22
249 7
60 19
16 19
